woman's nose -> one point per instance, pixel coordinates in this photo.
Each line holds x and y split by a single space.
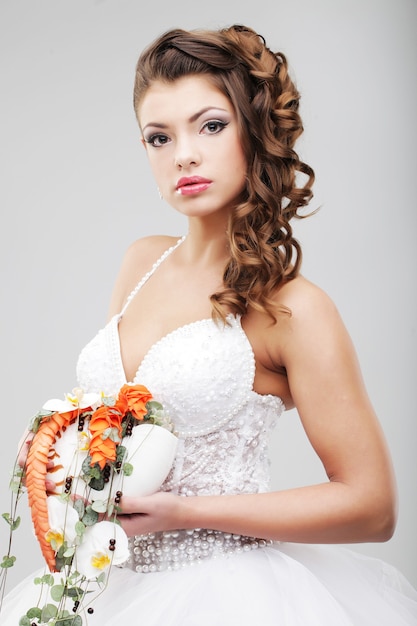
186 155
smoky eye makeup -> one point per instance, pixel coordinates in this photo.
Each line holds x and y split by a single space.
156 139
214 126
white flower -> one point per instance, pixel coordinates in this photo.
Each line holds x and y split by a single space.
94 556
70 450
62 520
75 400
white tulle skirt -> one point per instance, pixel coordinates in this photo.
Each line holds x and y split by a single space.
279 585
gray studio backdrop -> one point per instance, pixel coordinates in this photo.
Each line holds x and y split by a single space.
76 190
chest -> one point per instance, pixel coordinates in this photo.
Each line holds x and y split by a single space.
202 372
176 299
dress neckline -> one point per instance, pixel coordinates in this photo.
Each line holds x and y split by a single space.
234 320
231 319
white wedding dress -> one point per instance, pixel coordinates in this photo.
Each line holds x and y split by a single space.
203 375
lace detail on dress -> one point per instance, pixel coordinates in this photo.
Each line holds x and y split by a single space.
232 459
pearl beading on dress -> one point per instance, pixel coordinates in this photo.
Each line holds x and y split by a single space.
208 346
203 375
174 550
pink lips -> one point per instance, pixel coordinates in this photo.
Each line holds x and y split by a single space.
188 185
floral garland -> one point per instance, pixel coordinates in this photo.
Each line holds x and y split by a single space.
85 445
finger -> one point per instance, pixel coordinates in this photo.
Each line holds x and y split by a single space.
137 524
24 449
51 488
129 505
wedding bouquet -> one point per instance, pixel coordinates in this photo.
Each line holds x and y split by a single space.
94 449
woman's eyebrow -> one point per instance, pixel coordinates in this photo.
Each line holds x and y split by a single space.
193 117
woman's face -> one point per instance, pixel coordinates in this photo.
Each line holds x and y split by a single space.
190 132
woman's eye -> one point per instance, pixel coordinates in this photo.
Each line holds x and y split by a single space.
157 140
214 126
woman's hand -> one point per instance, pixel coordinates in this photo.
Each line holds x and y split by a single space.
160 511
23 448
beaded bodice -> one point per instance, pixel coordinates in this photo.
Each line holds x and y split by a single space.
203 375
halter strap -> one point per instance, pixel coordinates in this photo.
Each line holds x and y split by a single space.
147 276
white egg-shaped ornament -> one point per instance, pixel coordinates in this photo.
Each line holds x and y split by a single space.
149 456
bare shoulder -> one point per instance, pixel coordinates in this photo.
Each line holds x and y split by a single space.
146 250
305 300
138 259
308 323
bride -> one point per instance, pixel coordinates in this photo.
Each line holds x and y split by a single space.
227 333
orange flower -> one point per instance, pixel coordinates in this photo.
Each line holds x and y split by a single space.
36 470
136 396
103 448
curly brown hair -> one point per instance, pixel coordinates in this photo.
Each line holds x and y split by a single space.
263 251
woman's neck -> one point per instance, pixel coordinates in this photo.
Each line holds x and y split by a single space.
205 244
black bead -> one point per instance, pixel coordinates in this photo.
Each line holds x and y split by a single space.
90 610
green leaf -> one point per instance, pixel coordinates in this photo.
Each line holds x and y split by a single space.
69 552
90 517
24 621
97 483
100 506
80 527
49 611
35 422
64 614
57 591
64 497
47 579
34 612
68 621
95 472
86 466
60 563
74 592
108 401
62 549
54 545
112 434
128 469
79 506
120 453
8 561
16 484
153 405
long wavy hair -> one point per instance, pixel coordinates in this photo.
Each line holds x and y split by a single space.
263 251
